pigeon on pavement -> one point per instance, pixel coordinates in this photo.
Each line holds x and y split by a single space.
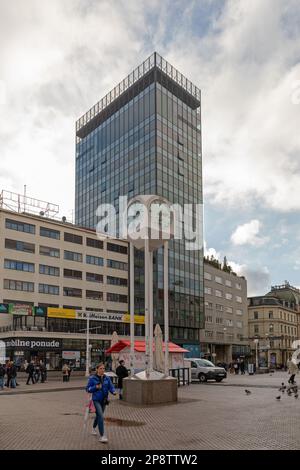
247 392
278 398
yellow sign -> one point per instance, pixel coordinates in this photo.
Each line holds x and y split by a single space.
54 312
140 319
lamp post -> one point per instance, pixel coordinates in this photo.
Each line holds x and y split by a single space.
87 362
268 346
256 353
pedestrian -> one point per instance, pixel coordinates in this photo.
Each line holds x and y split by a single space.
13 375
30 372
292 370
65 371
43 371
8 373
242 366
236 368
2 375
37 373
69 372
100 385
121 372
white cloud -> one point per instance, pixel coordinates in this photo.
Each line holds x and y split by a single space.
247 234
246 66
211 252
58 58
258 278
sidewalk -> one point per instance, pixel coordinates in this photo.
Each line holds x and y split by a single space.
51 386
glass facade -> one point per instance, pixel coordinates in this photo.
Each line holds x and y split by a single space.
144 137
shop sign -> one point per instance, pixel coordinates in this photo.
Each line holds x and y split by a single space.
33 343
20 309
139 319
4 308
71 355
55 312
115 317
40 311
100 316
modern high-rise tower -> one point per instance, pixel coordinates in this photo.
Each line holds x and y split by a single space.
144 137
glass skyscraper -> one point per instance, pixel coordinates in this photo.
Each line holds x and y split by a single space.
144 137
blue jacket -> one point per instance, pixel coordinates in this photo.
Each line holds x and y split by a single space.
100 394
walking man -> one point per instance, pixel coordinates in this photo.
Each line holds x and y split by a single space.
30 372
121 372
100 386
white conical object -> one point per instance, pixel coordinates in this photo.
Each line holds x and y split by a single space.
159 360
114 356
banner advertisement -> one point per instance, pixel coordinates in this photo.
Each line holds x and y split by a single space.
20 309
4 308
71 355
55 312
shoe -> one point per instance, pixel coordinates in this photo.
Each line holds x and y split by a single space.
94 432
103 439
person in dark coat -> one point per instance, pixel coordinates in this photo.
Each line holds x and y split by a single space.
13 375
121 372
30 372
43 371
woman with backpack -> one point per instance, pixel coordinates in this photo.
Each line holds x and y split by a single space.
100 386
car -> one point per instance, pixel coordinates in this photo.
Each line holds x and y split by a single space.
204 370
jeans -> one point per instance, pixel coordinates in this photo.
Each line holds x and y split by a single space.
99 418
13 382
1 382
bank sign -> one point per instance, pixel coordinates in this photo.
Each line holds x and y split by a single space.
56 312
33 343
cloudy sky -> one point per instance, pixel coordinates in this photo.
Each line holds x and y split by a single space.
59 57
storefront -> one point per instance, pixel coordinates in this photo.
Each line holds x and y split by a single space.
54 352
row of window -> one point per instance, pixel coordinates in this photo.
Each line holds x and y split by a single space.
68 273
219 293
283 315
68 237
221 335
223 321
283 329
25 286
221 308
220 280
68 255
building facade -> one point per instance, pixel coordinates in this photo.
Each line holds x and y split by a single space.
52 275
144 137
225 337
274 321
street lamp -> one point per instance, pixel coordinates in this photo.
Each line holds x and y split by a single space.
256 352
268 346
87 361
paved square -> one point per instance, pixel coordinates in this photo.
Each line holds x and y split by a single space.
208 416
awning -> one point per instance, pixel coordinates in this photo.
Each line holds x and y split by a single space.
140 346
